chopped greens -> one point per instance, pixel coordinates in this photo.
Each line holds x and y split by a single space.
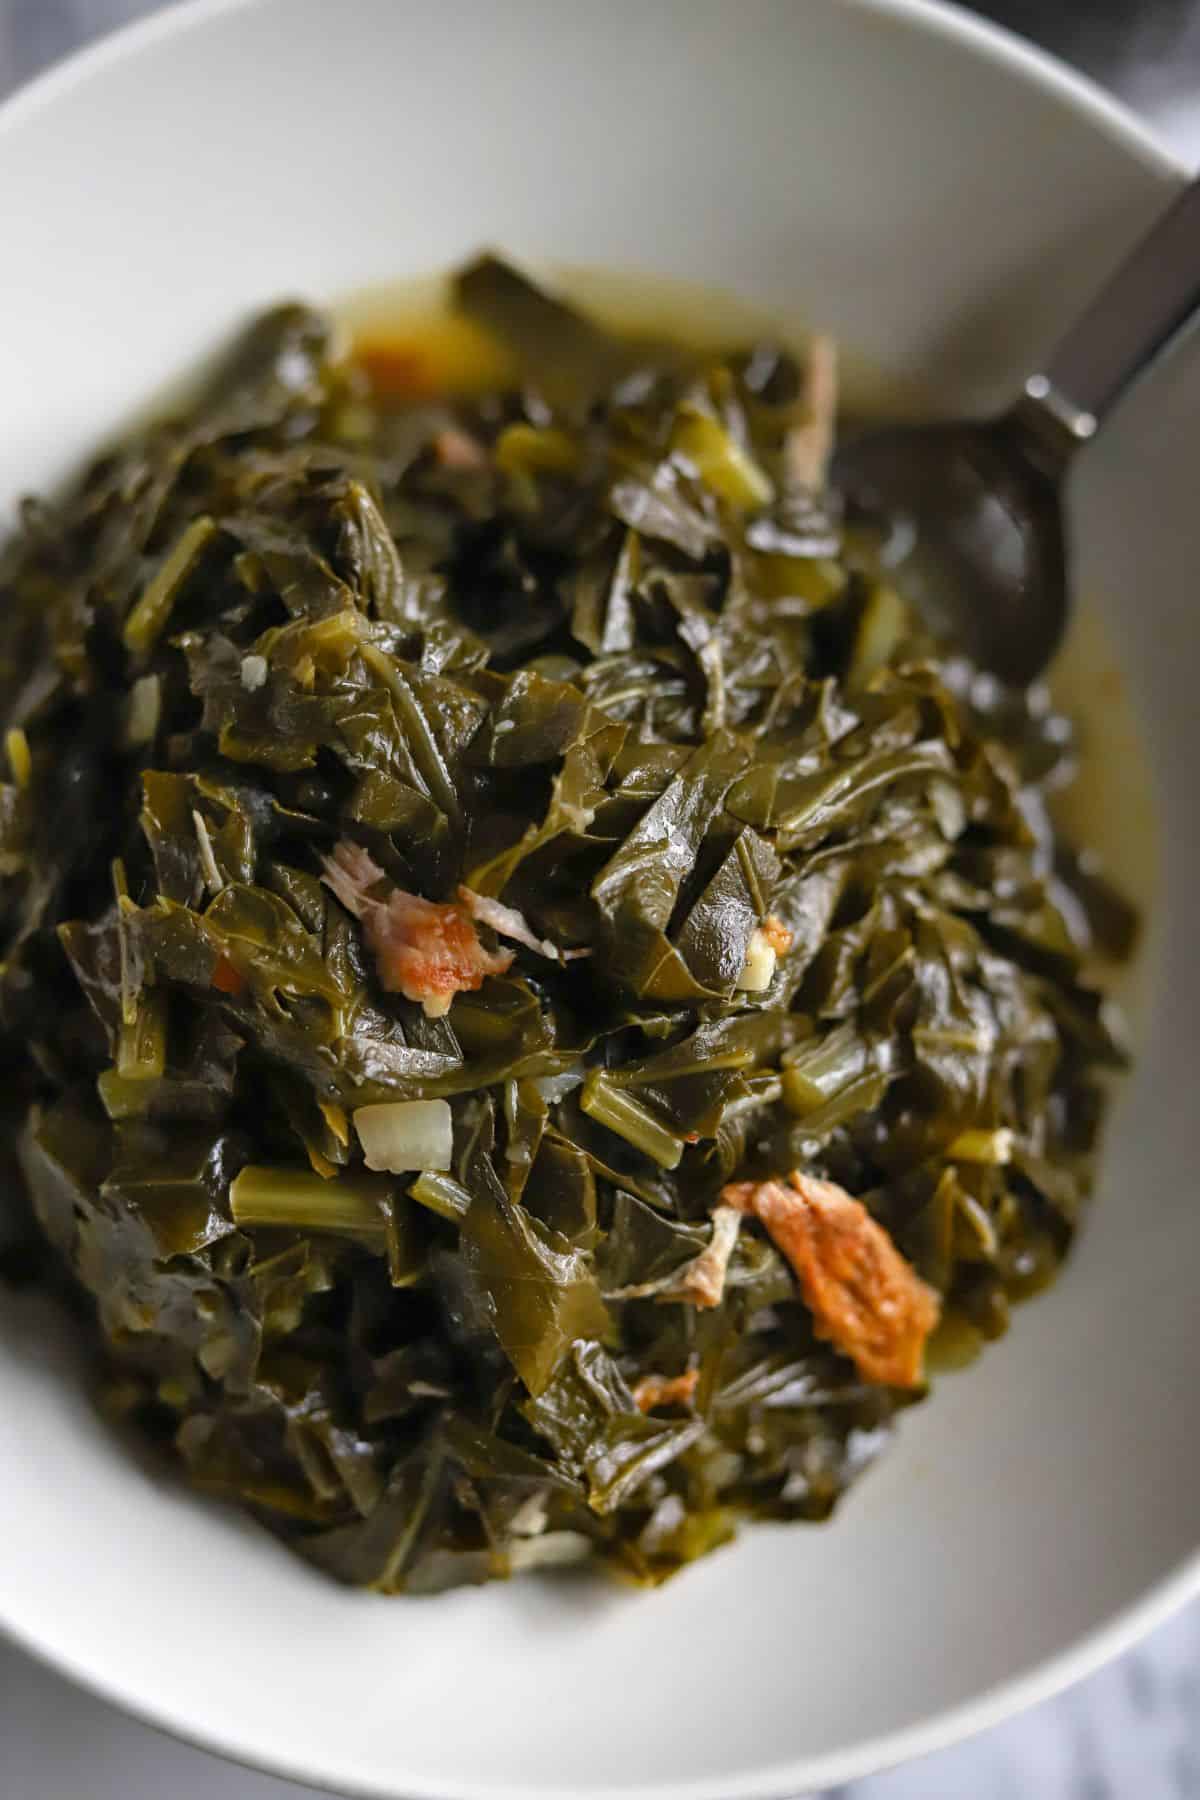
532 982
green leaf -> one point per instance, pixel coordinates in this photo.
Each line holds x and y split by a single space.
541 1298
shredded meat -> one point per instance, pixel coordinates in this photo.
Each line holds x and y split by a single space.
862 1294
665 1390
507 922
351 873
777 934
457 449
227 978
809 445
427 950
396 369
702 1281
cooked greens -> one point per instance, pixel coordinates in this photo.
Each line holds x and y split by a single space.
520 957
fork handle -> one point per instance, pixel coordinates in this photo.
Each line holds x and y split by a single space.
1135 315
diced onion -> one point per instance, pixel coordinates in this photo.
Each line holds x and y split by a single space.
552 1550
402 1135
529 1520
758 970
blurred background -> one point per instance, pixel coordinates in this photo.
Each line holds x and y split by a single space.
1131 1732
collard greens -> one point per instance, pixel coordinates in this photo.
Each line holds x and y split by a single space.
593 655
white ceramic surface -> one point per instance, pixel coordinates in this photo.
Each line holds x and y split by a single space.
942 198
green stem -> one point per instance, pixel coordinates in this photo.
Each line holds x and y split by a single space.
142 1045
442 1195
818 1069
151 611
629 1119
301 1200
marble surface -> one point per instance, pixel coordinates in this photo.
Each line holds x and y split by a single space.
1131 1732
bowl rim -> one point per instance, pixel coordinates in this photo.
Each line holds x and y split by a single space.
1110 117
940 18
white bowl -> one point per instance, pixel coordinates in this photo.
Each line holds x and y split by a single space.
942 198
